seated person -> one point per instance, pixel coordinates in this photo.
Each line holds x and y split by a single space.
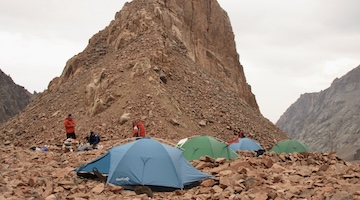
240 134
93 139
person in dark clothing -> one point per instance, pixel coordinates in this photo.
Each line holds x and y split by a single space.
93 139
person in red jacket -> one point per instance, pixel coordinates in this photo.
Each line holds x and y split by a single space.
70 127
139 129
240 134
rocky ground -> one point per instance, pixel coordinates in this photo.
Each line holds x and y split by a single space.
29 174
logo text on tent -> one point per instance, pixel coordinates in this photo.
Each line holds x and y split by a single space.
123 179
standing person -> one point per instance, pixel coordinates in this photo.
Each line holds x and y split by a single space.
70 127
139 129
93 139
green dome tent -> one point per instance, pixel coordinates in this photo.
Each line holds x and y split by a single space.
289 146
199 146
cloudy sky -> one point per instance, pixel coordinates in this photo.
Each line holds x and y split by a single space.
287 47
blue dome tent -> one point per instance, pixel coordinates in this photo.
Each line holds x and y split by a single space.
145 162
245 144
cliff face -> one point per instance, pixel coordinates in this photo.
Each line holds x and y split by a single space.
13 98
328 119
172 64
199 30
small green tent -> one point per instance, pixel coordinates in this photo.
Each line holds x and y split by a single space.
199 146
289 146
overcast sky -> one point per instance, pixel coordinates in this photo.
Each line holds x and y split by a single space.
287 47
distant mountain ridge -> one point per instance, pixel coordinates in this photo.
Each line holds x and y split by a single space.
327 120
13 98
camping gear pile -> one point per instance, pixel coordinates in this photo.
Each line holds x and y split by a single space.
70 145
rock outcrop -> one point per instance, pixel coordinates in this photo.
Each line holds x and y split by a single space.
13 98
172 64
327 120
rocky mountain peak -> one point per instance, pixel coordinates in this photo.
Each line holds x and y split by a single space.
172 64
152 30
